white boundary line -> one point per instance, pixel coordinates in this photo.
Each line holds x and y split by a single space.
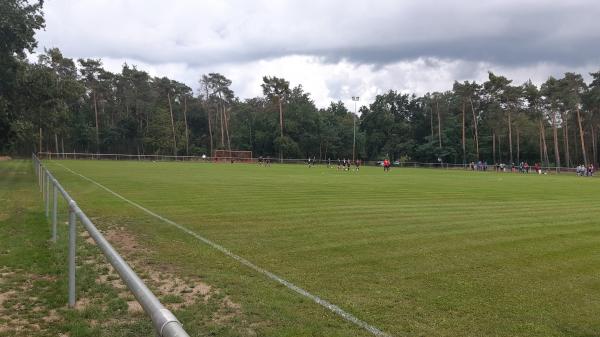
339 311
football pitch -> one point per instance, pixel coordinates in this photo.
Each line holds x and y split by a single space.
412 252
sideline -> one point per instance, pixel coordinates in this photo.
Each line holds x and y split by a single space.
339 311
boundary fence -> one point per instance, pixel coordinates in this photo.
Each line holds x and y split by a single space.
164 322
151 157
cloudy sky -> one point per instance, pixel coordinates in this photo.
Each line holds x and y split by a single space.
334 48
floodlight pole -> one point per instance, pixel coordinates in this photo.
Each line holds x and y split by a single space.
355 99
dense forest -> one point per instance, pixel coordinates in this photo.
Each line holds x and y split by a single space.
59 104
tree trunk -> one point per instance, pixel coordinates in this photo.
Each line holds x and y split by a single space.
540 143
320 151
209 123
437 108
555 135
475 126
566 141
97 129
226 115
431 120
518 147
499 149
581 137
280 127
251 138
62 144
464 147
546 158
543 147
494 146
147 120
594 144
575 141
222 122
172 125
187 137
56 143
280 116
510 146
40 148
210 132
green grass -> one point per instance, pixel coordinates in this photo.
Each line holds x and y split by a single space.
33 271
415 252
33 277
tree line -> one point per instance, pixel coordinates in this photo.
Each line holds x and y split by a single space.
58 104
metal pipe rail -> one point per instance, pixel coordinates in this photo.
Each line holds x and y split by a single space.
155 157
164 322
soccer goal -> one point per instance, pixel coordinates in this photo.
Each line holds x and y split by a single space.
233 155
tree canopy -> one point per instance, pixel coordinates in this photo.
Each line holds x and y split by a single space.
59 104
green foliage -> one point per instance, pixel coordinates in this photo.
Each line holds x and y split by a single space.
275 88
159 130
287 146
56 103
19 21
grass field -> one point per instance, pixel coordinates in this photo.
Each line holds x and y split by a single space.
415 252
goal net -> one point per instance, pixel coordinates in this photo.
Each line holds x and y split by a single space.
227 155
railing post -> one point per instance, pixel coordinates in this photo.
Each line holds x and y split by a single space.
47 195
54 210
72 233
164 322
42 180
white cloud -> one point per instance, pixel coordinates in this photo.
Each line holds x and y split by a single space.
329 82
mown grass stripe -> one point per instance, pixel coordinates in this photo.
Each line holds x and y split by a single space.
324 303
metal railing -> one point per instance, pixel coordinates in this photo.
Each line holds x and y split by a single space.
164 322
333 162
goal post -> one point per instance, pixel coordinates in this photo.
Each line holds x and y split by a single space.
233 155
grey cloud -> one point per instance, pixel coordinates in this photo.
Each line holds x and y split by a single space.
363 46
378 33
